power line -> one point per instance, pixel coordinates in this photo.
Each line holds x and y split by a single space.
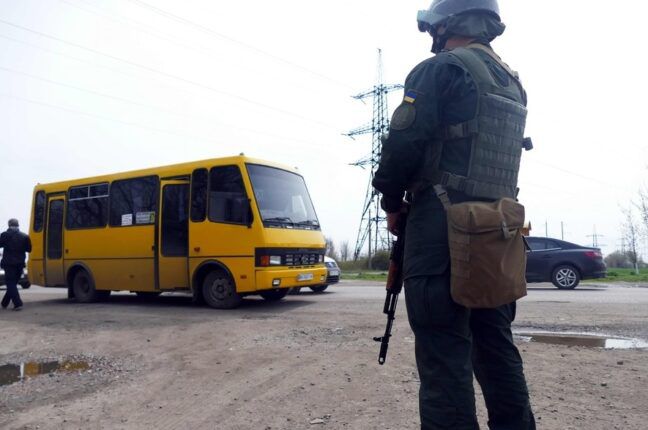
101 66
578 175
210 120
129 22
105 118
219 35
110 119
169 75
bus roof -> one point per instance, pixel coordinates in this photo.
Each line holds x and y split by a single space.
168 171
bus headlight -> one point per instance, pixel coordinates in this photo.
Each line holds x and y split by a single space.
270 260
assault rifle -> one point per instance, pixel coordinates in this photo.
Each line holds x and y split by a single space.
394 283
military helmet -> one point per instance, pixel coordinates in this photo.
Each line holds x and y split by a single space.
440 10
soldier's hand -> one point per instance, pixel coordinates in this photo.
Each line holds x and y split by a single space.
392 222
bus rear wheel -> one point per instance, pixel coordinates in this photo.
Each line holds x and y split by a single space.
219 291
274 295
84 289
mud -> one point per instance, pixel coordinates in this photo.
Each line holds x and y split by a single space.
306 362
582 339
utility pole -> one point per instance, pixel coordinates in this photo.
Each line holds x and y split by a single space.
595 238
562 230
375 226
369 243
546 228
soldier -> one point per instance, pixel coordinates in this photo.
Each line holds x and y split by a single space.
15 244
450 100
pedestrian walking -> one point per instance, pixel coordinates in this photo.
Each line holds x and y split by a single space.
16 245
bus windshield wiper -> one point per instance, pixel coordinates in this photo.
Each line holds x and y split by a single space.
312 222
280 219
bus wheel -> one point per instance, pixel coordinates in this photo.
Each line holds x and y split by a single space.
319 289
84 289
219 291
274 295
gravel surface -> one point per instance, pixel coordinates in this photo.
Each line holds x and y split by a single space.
306 362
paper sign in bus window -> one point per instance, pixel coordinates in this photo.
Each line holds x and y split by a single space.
127 219
145 218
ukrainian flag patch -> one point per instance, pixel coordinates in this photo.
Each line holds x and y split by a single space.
410 96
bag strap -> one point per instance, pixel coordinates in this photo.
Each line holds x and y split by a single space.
442 194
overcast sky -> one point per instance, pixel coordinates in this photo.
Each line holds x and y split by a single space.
98 86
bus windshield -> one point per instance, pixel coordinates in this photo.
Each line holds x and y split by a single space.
282 198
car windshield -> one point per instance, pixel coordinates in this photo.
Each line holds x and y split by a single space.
282 198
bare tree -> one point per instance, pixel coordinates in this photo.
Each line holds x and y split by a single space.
642 206
330 248
631 236
345 251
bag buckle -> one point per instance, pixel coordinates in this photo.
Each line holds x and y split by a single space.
442 194
505 231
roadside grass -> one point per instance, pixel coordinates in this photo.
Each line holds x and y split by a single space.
623 275
613 275
365 276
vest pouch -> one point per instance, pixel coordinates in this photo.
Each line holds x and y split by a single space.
487 253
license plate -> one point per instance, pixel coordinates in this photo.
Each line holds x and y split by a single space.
304 277
334 273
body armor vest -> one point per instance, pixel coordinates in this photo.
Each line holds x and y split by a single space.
496 134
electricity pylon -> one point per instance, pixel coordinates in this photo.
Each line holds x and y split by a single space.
373 224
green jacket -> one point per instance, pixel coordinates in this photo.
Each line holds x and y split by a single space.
438 92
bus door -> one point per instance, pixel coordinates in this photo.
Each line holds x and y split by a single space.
54 273
173 252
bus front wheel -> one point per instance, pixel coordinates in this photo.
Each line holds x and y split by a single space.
219 291
84 289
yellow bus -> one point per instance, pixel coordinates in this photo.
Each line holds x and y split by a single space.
221 229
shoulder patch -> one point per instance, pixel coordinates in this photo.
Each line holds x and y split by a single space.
410 96
404 116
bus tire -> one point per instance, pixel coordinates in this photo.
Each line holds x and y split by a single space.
84 289
219 291
274 295
319 289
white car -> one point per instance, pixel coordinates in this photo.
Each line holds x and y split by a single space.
332 277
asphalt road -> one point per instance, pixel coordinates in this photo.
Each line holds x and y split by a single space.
538 293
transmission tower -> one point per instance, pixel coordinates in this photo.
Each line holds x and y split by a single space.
373 224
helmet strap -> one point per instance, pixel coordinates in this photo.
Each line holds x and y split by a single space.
439 44
439 40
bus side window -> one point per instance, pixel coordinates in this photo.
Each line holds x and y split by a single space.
133 201
228 201
39 211
199 195
87 206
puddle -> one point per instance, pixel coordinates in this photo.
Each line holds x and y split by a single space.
11 373
585 340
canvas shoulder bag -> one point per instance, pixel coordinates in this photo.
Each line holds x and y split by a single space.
487 251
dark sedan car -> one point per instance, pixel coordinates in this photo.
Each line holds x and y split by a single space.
562 263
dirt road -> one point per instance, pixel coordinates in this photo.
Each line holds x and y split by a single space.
305 363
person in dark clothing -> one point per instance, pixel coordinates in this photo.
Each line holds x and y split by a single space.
431 138
16 244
